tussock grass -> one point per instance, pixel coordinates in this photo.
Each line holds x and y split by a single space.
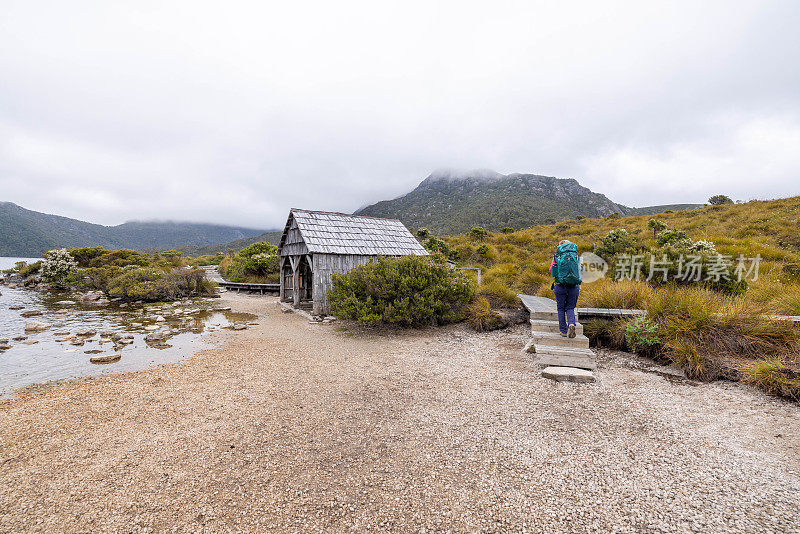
481 317
685 353
772 376
609 294
606 333
499 293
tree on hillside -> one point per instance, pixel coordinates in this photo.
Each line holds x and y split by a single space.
656 226
718 200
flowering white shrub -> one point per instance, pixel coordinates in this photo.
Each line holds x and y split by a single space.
704 247
57 265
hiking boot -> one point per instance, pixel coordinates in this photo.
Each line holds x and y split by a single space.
563 334
571 331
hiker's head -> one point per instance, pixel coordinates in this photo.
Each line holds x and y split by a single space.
563 241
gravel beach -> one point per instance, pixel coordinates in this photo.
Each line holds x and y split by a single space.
291 426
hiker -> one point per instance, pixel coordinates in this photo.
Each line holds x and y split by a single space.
566 271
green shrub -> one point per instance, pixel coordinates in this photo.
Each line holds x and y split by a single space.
719 200
615 242
674 238
27 269
641 335
258 262
478 233
120 258
507 230
656 226
155 285
408 290
84 255
433 244
171 258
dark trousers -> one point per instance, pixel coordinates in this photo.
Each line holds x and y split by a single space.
566 300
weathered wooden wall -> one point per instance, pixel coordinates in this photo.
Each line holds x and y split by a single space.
323 268
294 244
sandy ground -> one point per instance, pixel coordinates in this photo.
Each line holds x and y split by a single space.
293 426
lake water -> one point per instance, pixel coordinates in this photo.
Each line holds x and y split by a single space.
50 359
7 263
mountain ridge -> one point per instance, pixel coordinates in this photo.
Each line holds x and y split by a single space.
450 201
25 232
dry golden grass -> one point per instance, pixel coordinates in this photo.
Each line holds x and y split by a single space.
609 294
769 228
773 376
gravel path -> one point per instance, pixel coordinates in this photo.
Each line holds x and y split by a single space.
297 426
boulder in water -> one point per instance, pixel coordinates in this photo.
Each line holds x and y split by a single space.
105 358
36 326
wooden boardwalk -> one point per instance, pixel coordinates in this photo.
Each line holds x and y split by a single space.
545 305
213 274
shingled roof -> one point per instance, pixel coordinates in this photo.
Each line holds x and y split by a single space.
338 233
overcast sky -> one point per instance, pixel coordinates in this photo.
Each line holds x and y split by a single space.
234 112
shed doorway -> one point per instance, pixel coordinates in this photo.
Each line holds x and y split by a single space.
305 280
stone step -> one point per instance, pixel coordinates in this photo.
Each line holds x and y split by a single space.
540 325
568 374
557 340
580 361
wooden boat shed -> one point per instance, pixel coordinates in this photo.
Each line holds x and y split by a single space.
317 244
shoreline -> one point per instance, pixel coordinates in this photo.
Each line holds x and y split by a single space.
298 426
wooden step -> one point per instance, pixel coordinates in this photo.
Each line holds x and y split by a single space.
579 361
568 374
547 315
557 340
539 325
574 351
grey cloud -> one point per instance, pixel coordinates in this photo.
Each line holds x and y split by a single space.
110 112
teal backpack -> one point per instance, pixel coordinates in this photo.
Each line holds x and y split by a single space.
567 269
